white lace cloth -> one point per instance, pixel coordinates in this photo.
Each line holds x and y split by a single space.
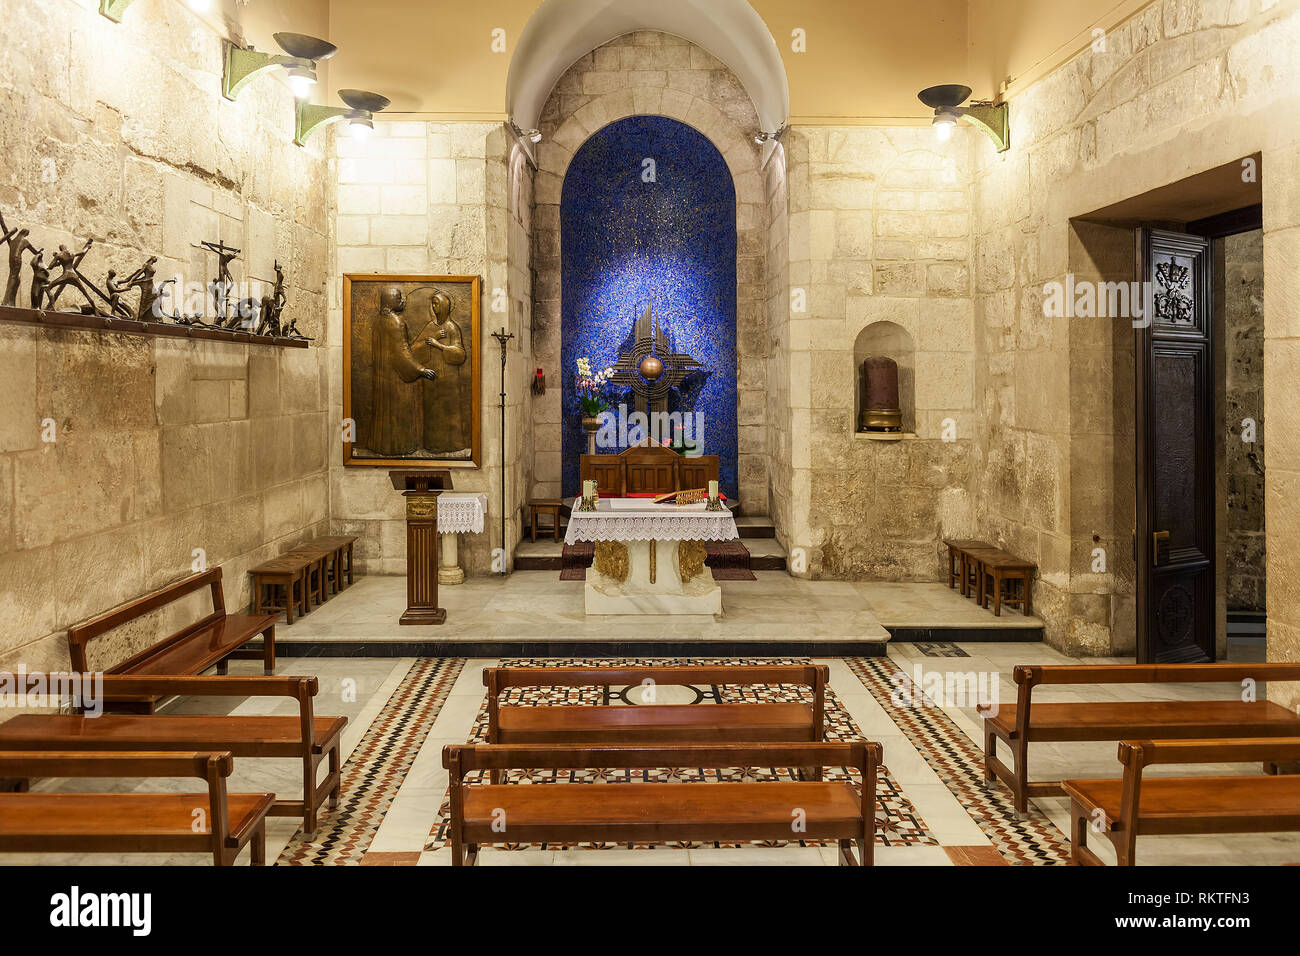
649 522
461 512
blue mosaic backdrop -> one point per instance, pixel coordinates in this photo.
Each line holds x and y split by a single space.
672 242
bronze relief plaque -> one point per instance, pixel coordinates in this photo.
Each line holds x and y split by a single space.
411 370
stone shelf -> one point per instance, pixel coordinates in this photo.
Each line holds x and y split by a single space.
98 323
884 436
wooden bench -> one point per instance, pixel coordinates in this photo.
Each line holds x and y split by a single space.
662 812
316 574
958 560
305 737
339 561
217 822
654 723
1122 810
1024 723
212 640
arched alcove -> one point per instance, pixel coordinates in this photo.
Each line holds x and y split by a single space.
892 341
648 220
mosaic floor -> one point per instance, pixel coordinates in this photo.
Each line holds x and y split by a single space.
931 805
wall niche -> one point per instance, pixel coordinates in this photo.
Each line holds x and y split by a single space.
892 341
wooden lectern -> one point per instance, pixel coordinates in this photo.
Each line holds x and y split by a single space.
421 490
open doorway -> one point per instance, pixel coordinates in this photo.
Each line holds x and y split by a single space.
1186 438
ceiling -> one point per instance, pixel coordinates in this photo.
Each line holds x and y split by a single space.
865 60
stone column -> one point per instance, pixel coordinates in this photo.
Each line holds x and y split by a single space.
449 570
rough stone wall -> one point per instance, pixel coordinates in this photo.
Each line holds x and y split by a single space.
162 446
1243 341
779 438
879 231
660 75
1181 87
435 199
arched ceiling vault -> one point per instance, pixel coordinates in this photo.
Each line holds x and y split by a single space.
561 32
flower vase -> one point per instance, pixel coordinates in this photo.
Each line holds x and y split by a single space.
591 425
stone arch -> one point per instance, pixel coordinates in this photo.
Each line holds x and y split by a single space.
679 80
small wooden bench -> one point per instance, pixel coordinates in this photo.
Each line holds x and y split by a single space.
216 822
545 506
1123 810
305 737
1025 722
212 640
655 723
958 560
339 562
663 812
998 568
286 574
316 574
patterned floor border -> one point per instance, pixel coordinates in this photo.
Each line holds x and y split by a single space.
959 763
375 770
898 823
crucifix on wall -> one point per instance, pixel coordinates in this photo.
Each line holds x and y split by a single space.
651 369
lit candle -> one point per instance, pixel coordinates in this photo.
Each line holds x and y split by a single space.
713 489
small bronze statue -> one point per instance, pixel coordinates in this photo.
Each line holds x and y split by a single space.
18 242
115 291
69 263
221 286
40 279
143 279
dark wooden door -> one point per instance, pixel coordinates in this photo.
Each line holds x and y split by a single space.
1175 450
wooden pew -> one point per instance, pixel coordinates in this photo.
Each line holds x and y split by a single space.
212 640
662 812
214 822
1122 810
304 737
655 723
1025 722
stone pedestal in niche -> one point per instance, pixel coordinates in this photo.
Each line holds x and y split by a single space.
421 490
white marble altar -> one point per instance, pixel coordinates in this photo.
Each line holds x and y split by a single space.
653 537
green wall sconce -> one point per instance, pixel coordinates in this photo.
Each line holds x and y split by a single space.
302 53
359 114
946 100
113 9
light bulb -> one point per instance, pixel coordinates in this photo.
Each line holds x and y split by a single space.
944 130
301 84
200 6
360 130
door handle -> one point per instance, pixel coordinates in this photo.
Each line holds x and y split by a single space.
1156 538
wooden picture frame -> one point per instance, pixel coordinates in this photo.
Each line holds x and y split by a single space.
394 415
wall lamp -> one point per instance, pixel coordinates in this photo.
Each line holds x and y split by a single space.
532 135
946 100
762 137
303 52
359 114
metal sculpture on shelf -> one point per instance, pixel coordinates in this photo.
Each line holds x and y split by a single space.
262 315
18 242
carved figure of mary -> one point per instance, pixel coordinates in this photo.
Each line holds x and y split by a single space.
445 398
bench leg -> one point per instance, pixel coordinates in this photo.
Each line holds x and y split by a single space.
309 798
997 594
990 754
258 845
268 650
289 600
1078 835
1028 606
334 772
223 666
1021 772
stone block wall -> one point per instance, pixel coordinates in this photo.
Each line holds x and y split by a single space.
1180 88
879 227
124 460
436 199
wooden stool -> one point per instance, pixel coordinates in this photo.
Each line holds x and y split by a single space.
972 569
957 559
315 575
999 568
287 572
338 561
549 506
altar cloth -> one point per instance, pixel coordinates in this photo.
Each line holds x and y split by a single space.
645 521
461 512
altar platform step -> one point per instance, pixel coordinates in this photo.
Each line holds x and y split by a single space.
766 554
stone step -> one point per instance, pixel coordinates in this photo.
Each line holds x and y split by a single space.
755 526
